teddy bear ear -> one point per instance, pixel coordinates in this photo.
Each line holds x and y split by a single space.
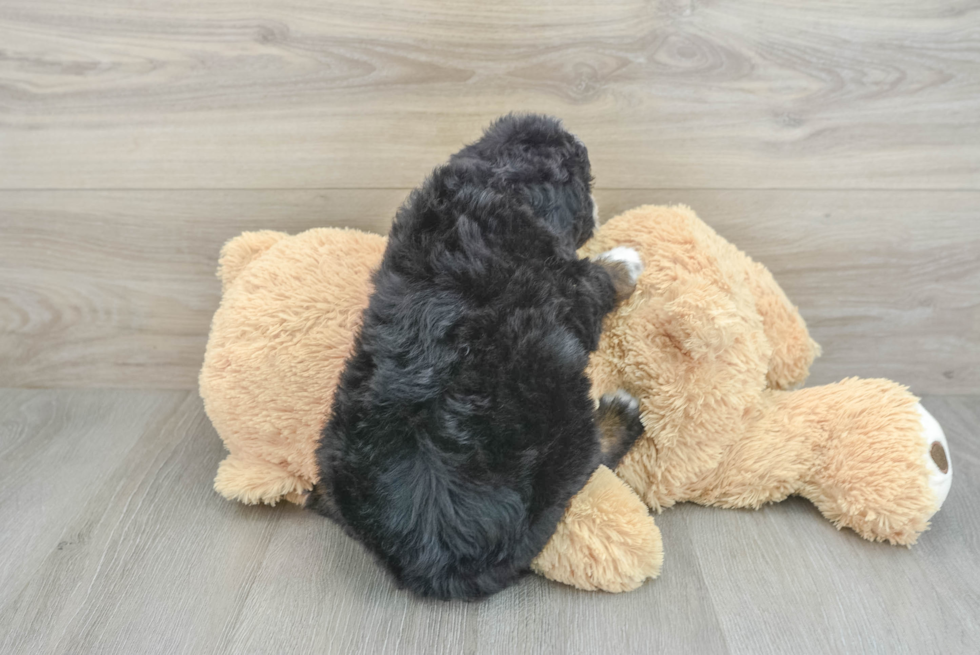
237 253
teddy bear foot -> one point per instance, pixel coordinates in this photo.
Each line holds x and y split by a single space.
885 469
936 456
606 541
254 481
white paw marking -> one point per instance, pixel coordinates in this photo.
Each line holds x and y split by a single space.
629 257
933 432
627 398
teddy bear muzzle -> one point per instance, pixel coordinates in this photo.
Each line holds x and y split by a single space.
936 456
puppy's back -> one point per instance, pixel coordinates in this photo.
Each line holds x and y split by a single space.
462 424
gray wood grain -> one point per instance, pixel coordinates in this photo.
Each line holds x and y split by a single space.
123 547
313 93
783 580
52 447
117 288
153 570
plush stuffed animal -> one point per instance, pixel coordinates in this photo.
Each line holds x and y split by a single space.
708 343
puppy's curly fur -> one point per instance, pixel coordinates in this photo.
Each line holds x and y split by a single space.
463 424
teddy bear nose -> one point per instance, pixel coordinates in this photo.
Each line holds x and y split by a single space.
938 454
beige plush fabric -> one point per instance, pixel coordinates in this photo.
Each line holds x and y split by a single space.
288 315
278 342
605 541
708 343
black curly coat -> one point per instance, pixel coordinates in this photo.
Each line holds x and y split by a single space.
463 424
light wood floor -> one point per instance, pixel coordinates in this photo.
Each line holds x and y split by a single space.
114 542
836 142
839 143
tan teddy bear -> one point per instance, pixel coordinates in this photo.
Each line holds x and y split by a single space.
708 343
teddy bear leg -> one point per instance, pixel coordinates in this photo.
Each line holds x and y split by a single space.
863 451
253 481
606 540
884 466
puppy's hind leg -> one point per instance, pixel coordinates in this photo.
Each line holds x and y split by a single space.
618 421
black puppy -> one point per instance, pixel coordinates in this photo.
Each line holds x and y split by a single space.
463 422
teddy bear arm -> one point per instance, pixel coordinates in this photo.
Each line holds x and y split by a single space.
793 351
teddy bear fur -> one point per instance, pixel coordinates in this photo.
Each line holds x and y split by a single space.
708 343
290 309
710 346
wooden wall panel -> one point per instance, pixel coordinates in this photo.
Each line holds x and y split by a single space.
116 288
328 93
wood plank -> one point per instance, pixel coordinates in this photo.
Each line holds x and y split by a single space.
53 444
783 580
357 608
325 93
160 563
166 565
117 288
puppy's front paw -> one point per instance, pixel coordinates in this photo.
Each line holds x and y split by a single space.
618 420
624 266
